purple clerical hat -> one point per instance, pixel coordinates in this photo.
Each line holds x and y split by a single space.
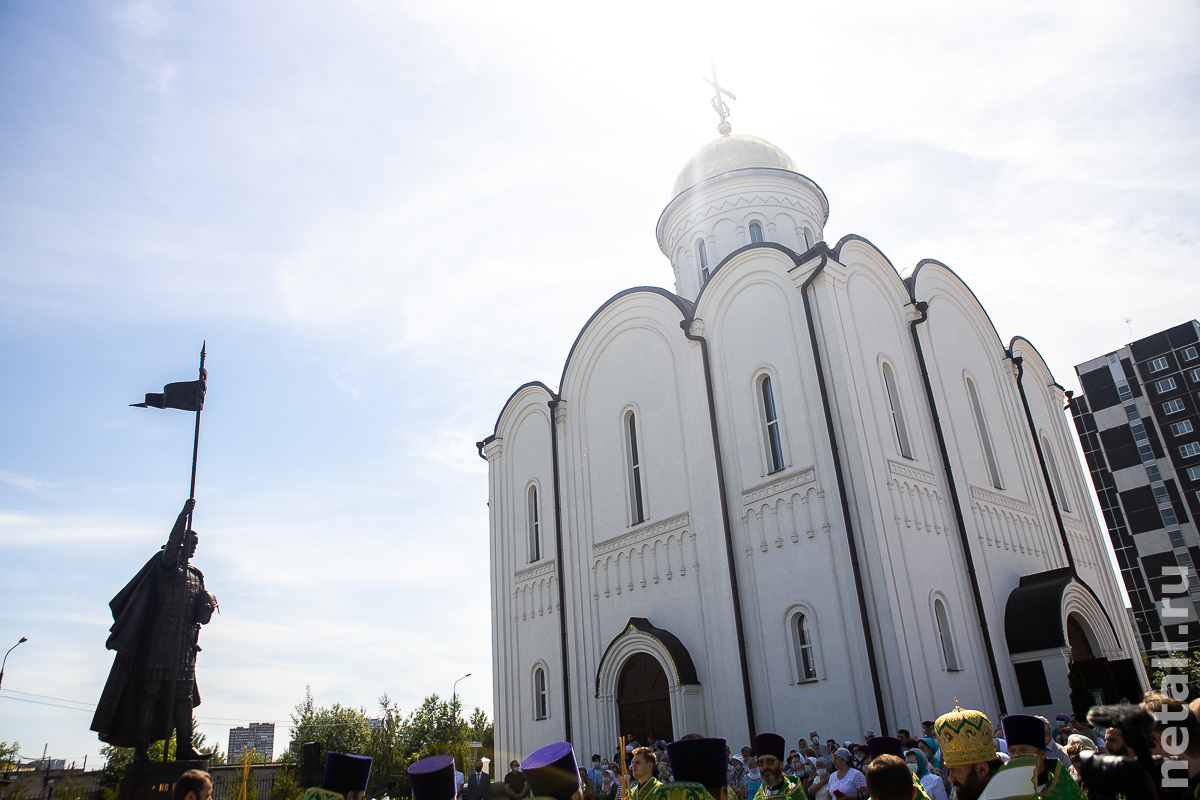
699 761
552 771
1024 729
769 744
345 772
884 746
433 778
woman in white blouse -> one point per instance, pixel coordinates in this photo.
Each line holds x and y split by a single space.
846 783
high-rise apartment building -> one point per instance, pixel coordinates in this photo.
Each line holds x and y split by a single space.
260 736
1139 422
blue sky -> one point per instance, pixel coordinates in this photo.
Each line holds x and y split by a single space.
385 216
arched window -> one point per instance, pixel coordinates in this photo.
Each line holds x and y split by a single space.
541 700
889 385
771 426
804 647
702 258
1060 493
808 238
949 657
535 525
637 511
756 234
986 440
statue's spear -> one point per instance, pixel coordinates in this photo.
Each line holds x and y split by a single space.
185 396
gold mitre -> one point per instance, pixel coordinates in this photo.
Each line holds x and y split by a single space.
965 737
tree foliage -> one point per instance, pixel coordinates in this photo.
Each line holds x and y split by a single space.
393 740
338 729
9 753
1166 678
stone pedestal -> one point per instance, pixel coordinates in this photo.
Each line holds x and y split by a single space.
155 780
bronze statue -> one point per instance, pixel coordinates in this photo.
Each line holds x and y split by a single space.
151 689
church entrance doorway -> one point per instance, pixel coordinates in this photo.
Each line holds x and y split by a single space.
644 701
1096 670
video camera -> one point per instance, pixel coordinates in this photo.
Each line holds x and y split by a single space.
1137 777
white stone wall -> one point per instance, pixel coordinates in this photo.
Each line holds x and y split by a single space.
789 532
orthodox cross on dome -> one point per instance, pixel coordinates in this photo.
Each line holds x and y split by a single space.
718 103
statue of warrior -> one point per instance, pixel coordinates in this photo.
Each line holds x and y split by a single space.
151 689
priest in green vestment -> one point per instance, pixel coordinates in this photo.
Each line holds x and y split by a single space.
1026 736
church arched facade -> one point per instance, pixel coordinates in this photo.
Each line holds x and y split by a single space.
798 492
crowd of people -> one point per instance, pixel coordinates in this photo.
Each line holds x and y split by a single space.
959 756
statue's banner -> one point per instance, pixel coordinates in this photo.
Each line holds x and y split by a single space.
186 396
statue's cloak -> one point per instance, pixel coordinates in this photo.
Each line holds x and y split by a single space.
117 720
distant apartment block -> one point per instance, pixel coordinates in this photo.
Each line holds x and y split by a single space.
260 736
1138 420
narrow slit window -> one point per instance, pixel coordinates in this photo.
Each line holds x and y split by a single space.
806 657
949 656
636 504
535 525
1060 493
986 440
771 426
702 258
756 234
889 385
541 704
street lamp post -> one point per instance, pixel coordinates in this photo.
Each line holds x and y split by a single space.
454 691
5 661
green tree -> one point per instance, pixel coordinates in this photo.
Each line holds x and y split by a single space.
1158 674
337 729
9 753
436 727
388 747
286 786
481 729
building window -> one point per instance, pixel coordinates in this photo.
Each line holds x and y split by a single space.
541 700
1195 375
1165 385
949 657
534 524
985 439
1180 428
702 257
1189 353
1190 449
1060 493
771 426
756 234
634 463
1172 406
805 648
1193 473
889 385
1158 365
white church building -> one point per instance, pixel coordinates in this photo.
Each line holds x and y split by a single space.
798 492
